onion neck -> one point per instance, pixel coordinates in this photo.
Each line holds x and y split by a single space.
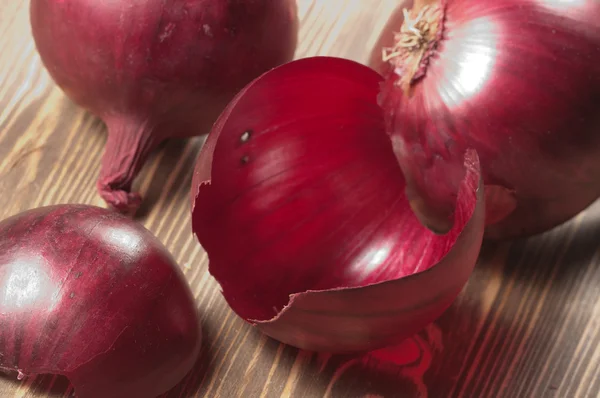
129 143
416 42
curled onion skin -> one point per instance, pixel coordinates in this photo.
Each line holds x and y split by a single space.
300 206
518 81
155 69
89 294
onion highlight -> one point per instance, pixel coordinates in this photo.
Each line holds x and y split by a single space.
91 295
155 69
300 205
518 81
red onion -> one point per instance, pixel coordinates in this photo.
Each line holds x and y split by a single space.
89 294
300 206
518 81
154 69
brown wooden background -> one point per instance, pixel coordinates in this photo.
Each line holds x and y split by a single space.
527 324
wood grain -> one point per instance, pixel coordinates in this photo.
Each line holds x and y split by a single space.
526 325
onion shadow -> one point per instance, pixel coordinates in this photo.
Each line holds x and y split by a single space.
562 254
202 370
169 152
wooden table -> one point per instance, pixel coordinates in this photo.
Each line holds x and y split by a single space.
526 325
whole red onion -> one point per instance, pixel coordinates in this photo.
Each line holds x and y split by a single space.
91 295
517 80
154 69
300 205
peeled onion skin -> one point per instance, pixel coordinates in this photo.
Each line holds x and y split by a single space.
300 206
518 81
88 294
156 69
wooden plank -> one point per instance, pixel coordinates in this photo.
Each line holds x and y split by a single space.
526 325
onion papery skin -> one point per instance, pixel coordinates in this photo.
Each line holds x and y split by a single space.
300 206
518 81
156 69
91 295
